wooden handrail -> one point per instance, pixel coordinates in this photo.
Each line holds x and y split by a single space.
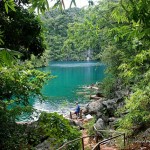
81 138
106 130
104 141
97 146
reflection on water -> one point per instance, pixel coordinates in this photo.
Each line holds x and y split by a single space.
75 64
62 90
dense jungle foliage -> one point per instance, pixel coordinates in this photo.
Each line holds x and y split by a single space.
60 43
118 33
22 31
56 23
22 46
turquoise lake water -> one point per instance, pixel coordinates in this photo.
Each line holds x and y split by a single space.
64 90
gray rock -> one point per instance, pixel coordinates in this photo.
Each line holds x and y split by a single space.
147 133
110 102
94 107
112 122
122 92
84 110
46 145
79 124
112 119
99 114
72 122
105 118
100 124
110 106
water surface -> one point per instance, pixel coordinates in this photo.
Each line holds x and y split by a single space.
70 77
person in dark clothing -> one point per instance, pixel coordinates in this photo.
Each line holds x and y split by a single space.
77 110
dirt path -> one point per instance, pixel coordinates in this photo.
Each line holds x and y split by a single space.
90 142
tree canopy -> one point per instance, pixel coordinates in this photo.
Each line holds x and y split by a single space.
22 31
56 24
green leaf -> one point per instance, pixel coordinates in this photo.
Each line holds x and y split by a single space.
7 56
6 7
11 7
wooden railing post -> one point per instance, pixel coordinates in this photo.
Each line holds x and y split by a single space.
98 147
124 138
70 115
80 114
97 137
82 144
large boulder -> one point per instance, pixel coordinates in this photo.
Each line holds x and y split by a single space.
94 107
99 125
121 93
110 106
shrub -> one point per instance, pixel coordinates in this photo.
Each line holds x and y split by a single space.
56 127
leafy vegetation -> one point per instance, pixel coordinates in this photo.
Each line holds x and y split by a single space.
56 24
58 128
18 82
82 36
121 31
22 31
12 134
89 126
117 32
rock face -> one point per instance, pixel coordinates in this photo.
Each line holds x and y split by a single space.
104 109
99 124
94 107
110 106
77 123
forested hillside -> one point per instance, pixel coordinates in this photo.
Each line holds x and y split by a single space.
56 23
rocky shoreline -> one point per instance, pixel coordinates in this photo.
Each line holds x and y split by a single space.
102 109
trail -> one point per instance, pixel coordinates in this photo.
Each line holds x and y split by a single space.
89 142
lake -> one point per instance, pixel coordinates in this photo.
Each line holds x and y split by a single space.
66 88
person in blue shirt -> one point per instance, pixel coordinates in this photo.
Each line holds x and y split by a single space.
77 110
